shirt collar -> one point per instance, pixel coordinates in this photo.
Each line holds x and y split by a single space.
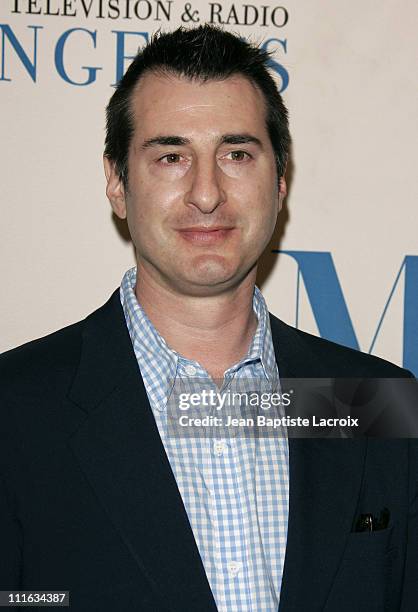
159 363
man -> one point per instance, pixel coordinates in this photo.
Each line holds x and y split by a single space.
96 496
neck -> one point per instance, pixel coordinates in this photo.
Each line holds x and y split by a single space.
216 331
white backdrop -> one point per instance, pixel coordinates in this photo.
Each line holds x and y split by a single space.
353 187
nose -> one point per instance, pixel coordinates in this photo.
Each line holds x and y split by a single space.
206 192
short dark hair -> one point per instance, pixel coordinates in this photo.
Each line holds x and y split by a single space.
203 53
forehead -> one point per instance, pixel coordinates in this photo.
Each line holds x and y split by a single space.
163 102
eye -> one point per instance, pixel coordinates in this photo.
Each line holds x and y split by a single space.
239 156
170 158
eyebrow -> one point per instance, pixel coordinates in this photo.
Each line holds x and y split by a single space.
241 139
178 141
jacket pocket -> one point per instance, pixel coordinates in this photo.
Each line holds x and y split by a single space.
364 572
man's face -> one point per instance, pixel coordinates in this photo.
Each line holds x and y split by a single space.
203 195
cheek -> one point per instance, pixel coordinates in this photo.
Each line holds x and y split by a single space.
150 208
258 206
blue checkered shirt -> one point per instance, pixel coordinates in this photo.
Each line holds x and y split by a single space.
235 489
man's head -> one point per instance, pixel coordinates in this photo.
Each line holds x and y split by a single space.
203 53
197 138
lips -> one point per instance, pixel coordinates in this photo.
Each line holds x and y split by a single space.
205 235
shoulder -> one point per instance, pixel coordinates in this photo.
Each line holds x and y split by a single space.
34 382
45 368
59 351
39 362
332 358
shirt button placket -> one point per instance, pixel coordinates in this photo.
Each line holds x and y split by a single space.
219 447
190 370
234 568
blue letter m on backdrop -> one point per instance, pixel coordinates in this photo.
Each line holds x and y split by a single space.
330 310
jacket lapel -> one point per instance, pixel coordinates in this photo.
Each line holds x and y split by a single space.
120 450
325 479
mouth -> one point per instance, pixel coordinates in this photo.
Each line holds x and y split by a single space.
205 235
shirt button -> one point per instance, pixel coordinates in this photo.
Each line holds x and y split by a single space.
190 370
218 448
234 568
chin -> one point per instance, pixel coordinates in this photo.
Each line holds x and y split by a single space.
210 270
209 278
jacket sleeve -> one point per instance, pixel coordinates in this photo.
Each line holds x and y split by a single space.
10 542
410 586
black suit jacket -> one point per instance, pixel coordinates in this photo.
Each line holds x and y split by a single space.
88 501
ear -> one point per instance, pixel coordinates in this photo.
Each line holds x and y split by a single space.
115 189
282 191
